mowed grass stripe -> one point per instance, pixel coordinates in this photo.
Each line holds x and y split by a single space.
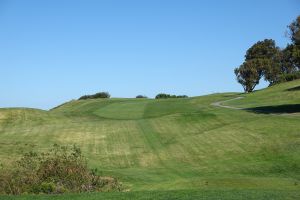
168 144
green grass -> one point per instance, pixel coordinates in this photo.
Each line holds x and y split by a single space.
174 144
282 94
178 194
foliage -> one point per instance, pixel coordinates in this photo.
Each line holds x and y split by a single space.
290 59
265 59
294 31
292 51
167 96
181 96
164 96
270 54
141 97
249 74
95 96
289 77
59 170
265 49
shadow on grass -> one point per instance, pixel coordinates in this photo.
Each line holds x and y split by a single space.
280 109
297 88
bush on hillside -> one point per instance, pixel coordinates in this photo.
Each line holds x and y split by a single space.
182 96
289 77
141 97
167 96
59 170
96 96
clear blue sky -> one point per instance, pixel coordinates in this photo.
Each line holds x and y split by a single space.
55 51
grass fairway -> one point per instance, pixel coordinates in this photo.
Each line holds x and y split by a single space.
177 194
184 148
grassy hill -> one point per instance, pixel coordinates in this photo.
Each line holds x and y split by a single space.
278 95
175 145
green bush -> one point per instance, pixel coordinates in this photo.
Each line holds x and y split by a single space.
44 187
96 96
167 96
60 170
289 77
141 97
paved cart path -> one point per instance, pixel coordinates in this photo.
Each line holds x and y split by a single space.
219 103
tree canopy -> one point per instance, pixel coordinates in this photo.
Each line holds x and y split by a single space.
294 31
265 49
248 74
275 65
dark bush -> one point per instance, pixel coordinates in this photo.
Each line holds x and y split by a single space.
167 96
101 95
59 170
289 77
104 95
162 96
141 97
85 97
182 96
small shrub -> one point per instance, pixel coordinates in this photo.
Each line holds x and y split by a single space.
162 96
141 97
182 96
289 77
167 96
101 95
98 95
48 187
59 170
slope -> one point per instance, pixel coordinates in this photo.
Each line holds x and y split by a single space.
172 144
